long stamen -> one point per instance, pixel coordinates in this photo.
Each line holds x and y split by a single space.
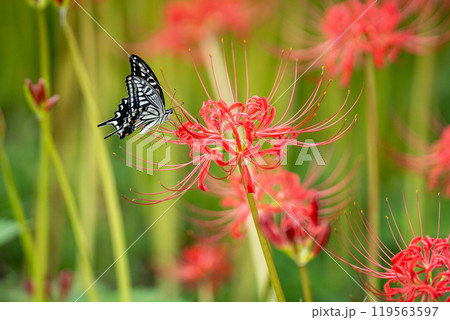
214 76
234 72
246 66
420 217
278 74
198 75
369 256
282 75
407 214
228 74
439 215
392 233
292 94
377 242
396 226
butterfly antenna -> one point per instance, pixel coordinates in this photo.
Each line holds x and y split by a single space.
171 102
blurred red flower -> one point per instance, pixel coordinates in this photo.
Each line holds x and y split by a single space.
434 163
39 95
439 161
64 284
416 271
189 23
294 215
204 264
235 134
353 29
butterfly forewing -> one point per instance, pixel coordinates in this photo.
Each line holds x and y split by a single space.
141 69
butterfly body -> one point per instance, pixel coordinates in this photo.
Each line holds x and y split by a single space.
144 107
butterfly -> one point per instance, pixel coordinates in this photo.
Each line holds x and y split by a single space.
145 105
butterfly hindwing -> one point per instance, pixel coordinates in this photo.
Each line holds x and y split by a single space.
120 121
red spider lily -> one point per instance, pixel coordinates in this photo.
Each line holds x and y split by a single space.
353 29
294 215
39 95
235 134
299 232
204 264
189 23
417 271
434 164
65 279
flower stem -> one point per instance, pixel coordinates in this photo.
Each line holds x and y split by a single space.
105 170
206 292
44 55
419 121
42 213
264 246
372 154
72 209
306 287
20 217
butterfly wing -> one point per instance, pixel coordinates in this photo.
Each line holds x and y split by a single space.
144 106
141 69
121 121
148 101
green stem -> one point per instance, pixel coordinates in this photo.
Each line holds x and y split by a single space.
44 55
419 121
264 246
206 293
306 287
42 214
72 209
372 155
87 190
20 217
105 170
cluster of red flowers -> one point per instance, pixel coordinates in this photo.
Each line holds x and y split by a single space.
234 134
355 29
294 216
419 271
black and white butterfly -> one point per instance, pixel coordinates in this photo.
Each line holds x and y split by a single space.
145 105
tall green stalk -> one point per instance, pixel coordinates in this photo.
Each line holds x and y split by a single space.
42 206
105 170
69 198
372 144
26 238
42 213
273 275
88 183
306 287
74 217
419 122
